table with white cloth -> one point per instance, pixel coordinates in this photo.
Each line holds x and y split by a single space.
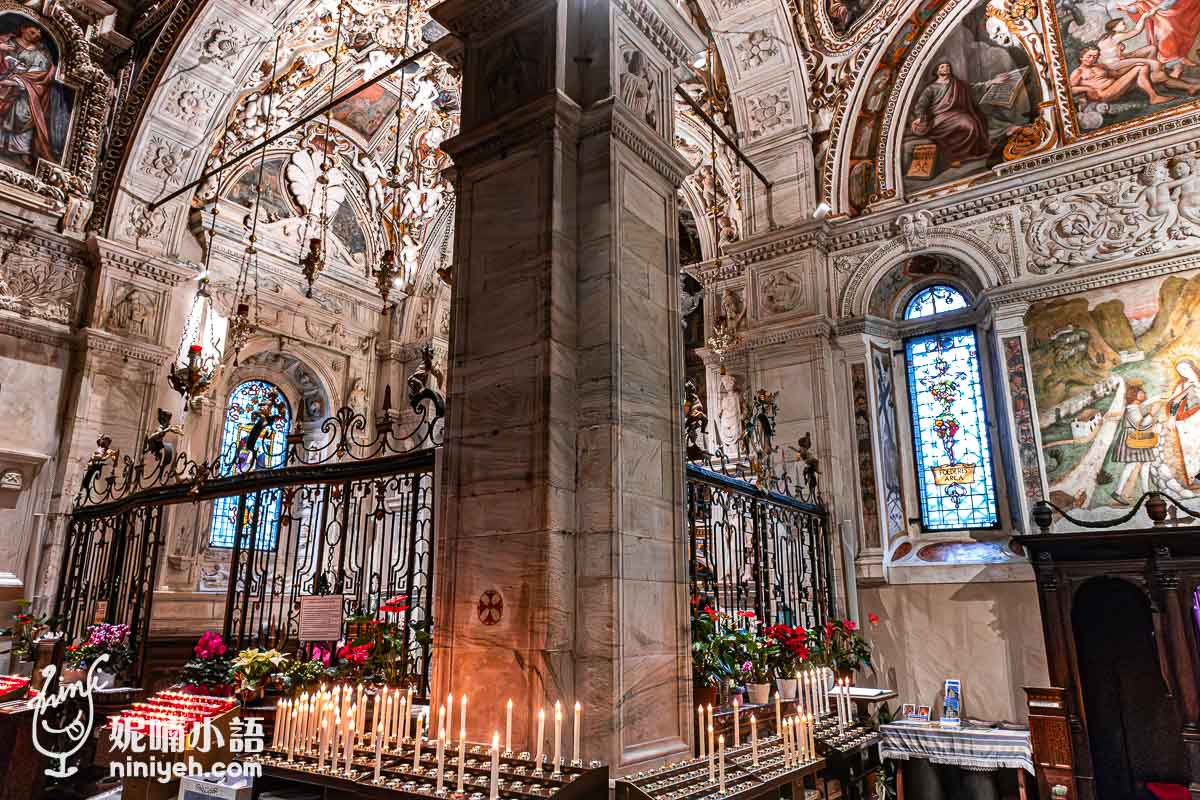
977 749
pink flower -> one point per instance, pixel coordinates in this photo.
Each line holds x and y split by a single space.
747 667
210 645
321 654
873 618
355 655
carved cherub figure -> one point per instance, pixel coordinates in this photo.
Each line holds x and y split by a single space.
812 467
100 456
695 420
156 443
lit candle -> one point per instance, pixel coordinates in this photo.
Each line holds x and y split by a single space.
737 722
710 724
785 736
321 749
721 761
812 744
291 735
388 714
462 758
754 739
712 767
462 717
408 705
700 719
378 736
557 736
711 741
778 714
442 711
360 721
494 784
280 714
540 737
441 759
349 743
400 715
823 676
578 717
507 729
417 743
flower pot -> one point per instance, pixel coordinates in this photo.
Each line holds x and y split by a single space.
23 668
71 675
759 693
788 688
705 695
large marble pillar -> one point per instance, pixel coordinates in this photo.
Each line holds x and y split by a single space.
562 561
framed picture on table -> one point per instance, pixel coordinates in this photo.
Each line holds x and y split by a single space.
952 704
908 711
922 714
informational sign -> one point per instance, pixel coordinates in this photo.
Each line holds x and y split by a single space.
100 612
321 617
952 705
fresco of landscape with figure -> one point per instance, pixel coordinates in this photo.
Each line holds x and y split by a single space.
1116 378
974 96
1129 59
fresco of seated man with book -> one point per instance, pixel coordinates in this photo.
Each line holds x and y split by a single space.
974 96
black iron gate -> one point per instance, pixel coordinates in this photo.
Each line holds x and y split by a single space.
343 516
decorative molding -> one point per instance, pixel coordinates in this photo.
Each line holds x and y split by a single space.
663 33
96 341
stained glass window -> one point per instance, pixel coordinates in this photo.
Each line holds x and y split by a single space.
934 300
950 438
257 421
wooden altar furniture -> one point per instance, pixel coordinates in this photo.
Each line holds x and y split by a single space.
1050 734
1119 610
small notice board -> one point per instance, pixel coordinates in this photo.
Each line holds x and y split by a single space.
320 618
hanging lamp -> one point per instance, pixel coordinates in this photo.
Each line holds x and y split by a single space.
390 273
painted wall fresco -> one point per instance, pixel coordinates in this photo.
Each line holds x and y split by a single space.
1116 378
895 518
35 109
866 456
974 96
1129 60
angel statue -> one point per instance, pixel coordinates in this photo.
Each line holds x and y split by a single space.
695 421
812 467
100 456
156 443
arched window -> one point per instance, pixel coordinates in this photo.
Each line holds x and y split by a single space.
949 418
257 421
937 299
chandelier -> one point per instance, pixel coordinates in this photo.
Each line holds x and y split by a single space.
195 375
722 340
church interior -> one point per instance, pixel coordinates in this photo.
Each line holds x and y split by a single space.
648 399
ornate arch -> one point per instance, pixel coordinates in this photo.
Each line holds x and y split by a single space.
965 247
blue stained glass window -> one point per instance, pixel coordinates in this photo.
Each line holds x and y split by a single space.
950 438
252 403
934 300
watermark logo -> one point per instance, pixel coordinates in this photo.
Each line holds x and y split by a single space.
166 749
75 733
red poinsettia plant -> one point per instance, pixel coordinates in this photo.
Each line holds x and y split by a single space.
839 645
211 671
791 648
380 652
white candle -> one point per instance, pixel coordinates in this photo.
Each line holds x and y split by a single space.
408 712
710 724
442 711
462 717
280 713
812 744
388 713
360 721
321 749
823 675
737 723
541 735
417 743
557 736
778 714
721 761
786 735
507 729
494 788
754 739
462 757
400 714
712 768
441 759
700 720
349 743
378 743
578 718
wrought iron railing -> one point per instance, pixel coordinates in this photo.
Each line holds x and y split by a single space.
343 514
758 531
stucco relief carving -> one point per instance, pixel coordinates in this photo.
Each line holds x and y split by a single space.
731 407
162 159
914 228
780 292
132 311
189 102
640 86
223 44
759 48
770 111
1157 210
34 286
733 309
142 222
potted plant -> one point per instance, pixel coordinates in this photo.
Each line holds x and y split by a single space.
301 675
24 632
711 662
756 655
102 639
839 645
252 668
791 650
211 671
380 652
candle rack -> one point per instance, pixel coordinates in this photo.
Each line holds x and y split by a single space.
689 780
518 777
